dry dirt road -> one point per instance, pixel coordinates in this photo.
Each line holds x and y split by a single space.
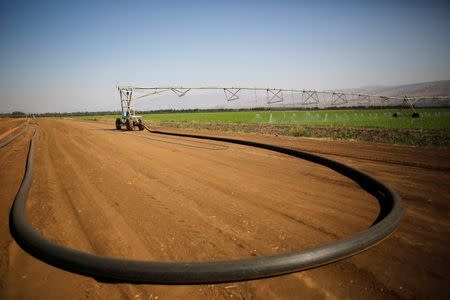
147 196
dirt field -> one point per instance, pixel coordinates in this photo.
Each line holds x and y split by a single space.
147 196
9 126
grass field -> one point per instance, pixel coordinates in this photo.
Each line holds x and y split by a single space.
429 119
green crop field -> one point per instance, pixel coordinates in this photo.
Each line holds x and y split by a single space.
436 118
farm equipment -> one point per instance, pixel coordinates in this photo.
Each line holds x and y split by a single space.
128 119
273 96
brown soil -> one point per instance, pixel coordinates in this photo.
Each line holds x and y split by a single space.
8 126
147 196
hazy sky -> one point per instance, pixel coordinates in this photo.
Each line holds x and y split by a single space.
69 55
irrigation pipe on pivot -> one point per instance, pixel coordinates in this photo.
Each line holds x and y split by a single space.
128 94
111 269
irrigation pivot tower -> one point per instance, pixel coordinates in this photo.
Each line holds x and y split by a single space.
128 117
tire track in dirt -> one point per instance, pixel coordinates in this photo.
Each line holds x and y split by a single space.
208 183
8 125
131 154
77 148
205 182
315 174
94 214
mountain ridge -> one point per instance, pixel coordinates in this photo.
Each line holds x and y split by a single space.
439 88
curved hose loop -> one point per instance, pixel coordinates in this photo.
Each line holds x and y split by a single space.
8 141
111 269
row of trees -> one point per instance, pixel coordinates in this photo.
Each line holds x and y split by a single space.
19 114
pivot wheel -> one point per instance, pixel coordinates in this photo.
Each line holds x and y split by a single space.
118 124
129 125
140 125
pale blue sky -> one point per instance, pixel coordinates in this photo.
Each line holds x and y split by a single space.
69 55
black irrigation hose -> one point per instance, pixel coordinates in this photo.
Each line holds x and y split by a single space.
123 270
5 143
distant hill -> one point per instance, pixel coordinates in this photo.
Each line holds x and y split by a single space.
424 89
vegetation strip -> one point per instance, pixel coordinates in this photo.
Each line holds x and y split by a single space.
122 270
430 118
388 125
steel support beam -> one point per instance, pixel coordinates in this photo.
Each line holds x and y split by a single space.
231 94
338 98
274 96
310 97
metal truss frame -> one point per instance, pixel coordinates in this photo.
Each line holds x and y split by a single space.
410 102
310 97
231 94
180 92
127 102
273 95
363 99
338 98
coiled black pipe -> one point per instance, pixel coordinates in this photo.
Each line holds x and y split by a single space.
111 269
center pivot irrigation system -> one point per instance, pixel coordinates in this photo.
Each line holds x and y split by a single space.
114 269
274 96
121 270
